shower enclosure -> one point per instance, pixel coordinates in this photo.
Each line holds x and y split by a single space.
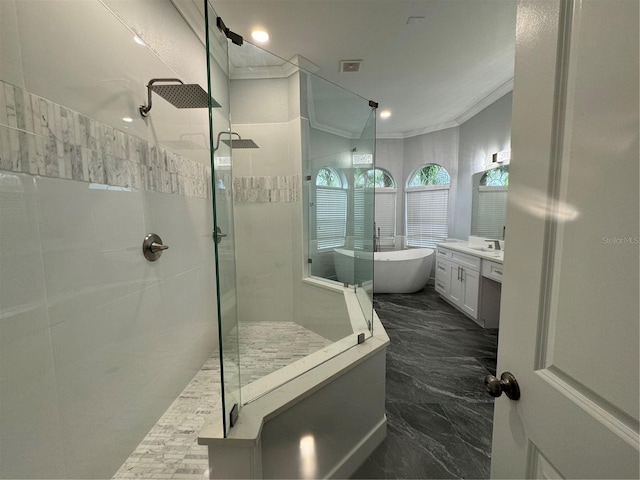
298 124
97 341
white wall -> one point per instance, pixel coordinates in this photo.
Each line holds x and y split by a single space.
267 204
390 156
95 341
462 150
403 157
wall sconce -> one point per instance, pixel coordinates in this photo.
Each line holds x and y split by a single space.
501 157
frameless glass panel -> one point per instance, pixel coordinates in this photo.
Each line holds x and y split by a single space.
223 231
365 234
336 122
293 136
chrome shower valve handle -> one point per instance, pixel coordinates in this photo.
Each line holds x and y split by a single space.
152 247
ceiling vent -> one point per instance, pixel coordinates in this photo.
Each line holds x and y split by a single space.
415 20
347 66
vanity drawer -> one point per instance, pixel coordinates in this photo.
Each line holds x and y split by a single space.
492 270
442 275
442 286
442 268
443 253
465 260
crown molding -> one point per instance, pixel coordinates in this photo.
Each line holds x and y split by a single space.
497 94
433 128
494 96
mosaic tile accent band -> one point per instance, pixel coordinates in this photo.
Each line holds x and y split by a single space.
278 189
39 137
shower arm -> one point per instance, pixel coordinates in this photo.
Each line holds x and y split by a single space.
226 133
144 109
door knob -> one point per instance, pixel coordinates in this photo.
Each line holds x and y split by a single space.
152 247
507 384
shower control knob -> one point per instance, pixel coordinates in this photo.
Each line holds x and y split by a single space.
507 384
218 235
156 247
152 247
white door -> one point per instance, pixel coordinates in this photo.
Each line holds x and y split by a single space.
570 319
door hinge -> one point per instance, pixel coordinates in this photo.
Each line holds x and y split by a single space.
233 415
234 37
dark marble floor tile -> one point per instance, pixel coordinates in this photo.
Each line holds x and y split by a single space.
489 363
433 380
403 318
445 343
439 416
473 423
421 443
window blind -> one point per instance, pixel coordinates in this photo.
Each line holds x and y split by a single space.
492 211
358 218
331 217
386 216
427 220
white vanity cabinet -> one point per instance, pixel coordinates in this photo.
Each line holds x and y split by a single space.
471 283
458 279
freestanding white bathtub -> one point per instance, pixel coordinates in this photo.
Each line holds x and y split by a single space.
396 271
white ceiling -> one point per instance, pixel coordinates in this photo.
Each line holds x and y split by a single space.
433 74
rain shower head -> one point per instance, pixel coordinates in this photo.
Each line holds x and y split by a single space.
241 143
235 143
178 94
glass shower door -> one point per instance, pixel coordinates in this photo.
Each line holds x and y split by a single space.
223 234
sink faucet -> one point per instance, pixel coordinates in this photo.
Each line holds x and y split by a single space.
496 244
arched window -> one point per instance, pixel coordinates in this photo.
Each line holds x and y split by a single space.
385 202
496 177
374 178
427 206
329 177
491 215
430 174
331 208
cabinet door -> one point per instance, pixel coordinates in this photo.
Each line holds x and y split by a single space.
471 287
456 287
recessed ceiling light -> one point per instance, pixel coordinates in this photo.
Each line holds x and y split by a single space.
385 113
260 36
127 119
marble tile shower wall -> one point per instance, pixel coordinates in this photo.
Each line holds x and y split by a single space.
276 189
39 137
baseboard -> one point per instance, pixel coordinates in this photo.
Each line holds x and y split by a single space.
352 460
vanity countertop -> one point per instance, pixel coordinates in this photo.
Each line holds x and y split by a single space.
482 252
